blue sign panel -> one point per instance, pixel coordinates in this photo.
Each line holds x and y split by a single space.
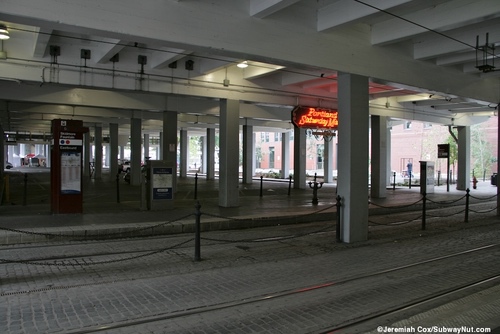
162 183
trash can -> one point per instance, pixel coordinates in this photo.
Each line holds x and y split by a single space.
494 179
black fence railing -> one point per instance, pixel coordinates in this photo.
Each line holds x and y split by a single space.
424 202
151 230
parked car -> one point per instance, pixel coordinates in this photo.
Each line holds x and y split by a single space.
8 165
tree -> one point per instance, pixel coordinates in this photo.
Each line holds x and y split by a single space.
481 151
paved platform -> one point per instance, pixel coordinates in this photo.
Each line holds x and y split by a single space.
112 206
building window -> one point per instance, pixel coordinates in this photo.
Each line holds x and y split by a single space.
427 126
277 136
267 137
407 125
271 157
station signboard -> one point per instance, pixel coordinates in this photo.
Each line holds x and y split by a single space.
67 166
315 118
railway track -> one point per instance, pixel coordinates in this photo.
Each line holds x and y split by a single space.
305 295
298 295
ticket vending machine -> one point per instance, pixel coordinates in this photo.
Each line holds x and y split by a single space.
66 166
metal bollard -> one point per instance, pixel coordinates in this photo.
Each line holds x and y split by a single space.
337 231
394 183
118 188
423 211
314 187
439 177
261 177
196 186
25 195
467 191
197 232
289 185
409 181
7 189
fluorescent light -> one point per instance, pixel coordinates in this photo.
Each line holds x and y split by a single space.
4 33
243 64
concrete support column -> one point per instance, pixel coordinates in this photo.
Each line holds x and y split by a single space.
248 153
328 161
22 151
169 137
2 156
353 150
285 155
463 172
86 154
168 142
48 155
299 158
113 151
98 152
160 154
183 138
106 155
498 155
10 156
390 176
146 146
135 151
379 157
204 155
229 153
210 154
17 151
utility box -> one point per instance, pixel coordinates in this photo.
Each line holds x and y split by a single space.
160 184
427 177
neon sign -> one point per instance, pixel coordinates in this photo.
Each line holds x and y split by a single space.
309 117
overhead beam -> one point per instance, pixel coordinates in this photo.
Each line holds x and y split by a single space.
108 48
459 40
166 56
442 17
210 65
256 70
456 58
262 8
42 38
451 106
348 11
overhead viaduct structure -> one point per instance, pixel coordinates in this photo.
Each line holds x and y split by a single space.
169 68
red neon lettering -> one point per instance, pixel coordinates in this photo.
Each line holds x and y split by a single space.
320 118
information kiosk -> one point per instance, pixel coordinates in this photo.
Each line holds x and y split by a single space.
66 166
160 178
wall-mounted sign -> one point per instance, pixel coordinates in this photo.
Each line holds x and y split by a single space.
309 117
443 151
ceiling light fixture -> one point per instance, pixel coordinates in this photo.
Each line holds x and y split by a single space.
243 64
4 33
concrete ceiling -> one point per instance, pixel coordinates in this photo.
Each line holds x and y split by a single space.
108 61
